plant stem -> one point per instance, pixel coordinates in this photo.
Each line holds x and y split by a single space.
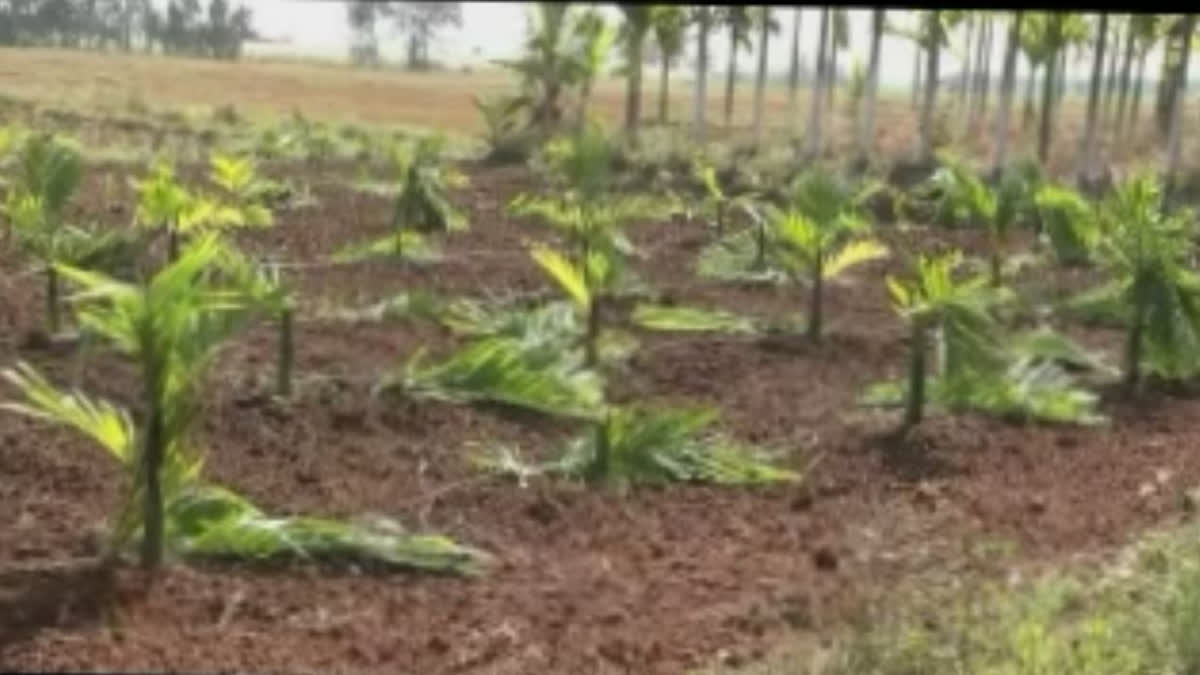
995 261
52 316
172 244
283 382
593 331
152 504
602 462
915 407
760 258
1133 346
815 312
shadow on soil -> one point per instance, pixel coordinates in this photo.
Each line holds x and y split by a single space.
63 596
910 455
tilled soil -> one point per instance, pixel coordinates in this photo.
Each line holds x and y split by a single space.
585 581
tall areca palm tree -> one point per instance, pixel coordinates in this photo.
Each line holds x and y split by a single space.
1148 28
1175 135
670 23
933 36
1087 153
703 17
985 74
766 26
866 118
1007 90
917 70
739 21
794 71
1050 34
635 29
596 38
840 39
964 88
1124 79
1110 83
812 133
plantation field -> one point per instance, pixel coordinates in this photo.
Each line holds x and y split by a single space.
121 83
659 580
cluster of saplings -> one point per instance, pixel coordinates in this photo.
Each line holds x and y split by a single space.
169 308
168 293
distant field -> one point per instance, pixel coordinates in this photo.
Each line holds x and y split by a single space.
442 100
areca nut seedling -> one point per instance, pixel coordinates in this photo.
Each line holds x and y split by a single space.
818 236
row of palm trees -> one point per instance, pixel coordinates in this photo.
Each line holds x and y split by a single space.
1045 40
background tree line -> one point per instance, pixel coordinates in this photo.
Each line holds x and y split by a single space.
417 21
216 30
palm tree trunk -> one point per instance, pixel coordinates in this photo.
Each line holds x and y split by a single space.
1060 87
1126 76
1136 105
701 78
971 82
664 89
831 75
1048 81
916 81
1175 136
633 95
153 454
760 82
965 83
585 101
1168 82
1087 153
794 73
812 134
915 407
1030 96
1007 90
53 320
985 77
731 76
816 310
925 132
287 353
866 119
1110 88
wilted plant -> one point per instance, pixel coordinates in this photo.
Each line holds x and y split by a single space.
1070 222
642 445
421 206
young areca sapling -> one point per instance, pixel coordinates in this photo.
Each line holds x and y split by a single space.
1148 256
421 206
819 236
48 171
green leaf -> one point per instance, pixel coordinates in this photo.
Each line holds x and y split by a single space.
693 319
569 278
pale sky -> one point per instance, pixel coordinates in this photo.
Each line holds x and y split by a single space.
497 30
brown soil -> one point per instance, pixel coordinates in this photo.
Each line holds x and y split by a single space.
656 581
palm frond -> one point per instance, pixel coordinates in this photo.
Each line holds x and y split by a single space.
507 371
693 319
655 446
